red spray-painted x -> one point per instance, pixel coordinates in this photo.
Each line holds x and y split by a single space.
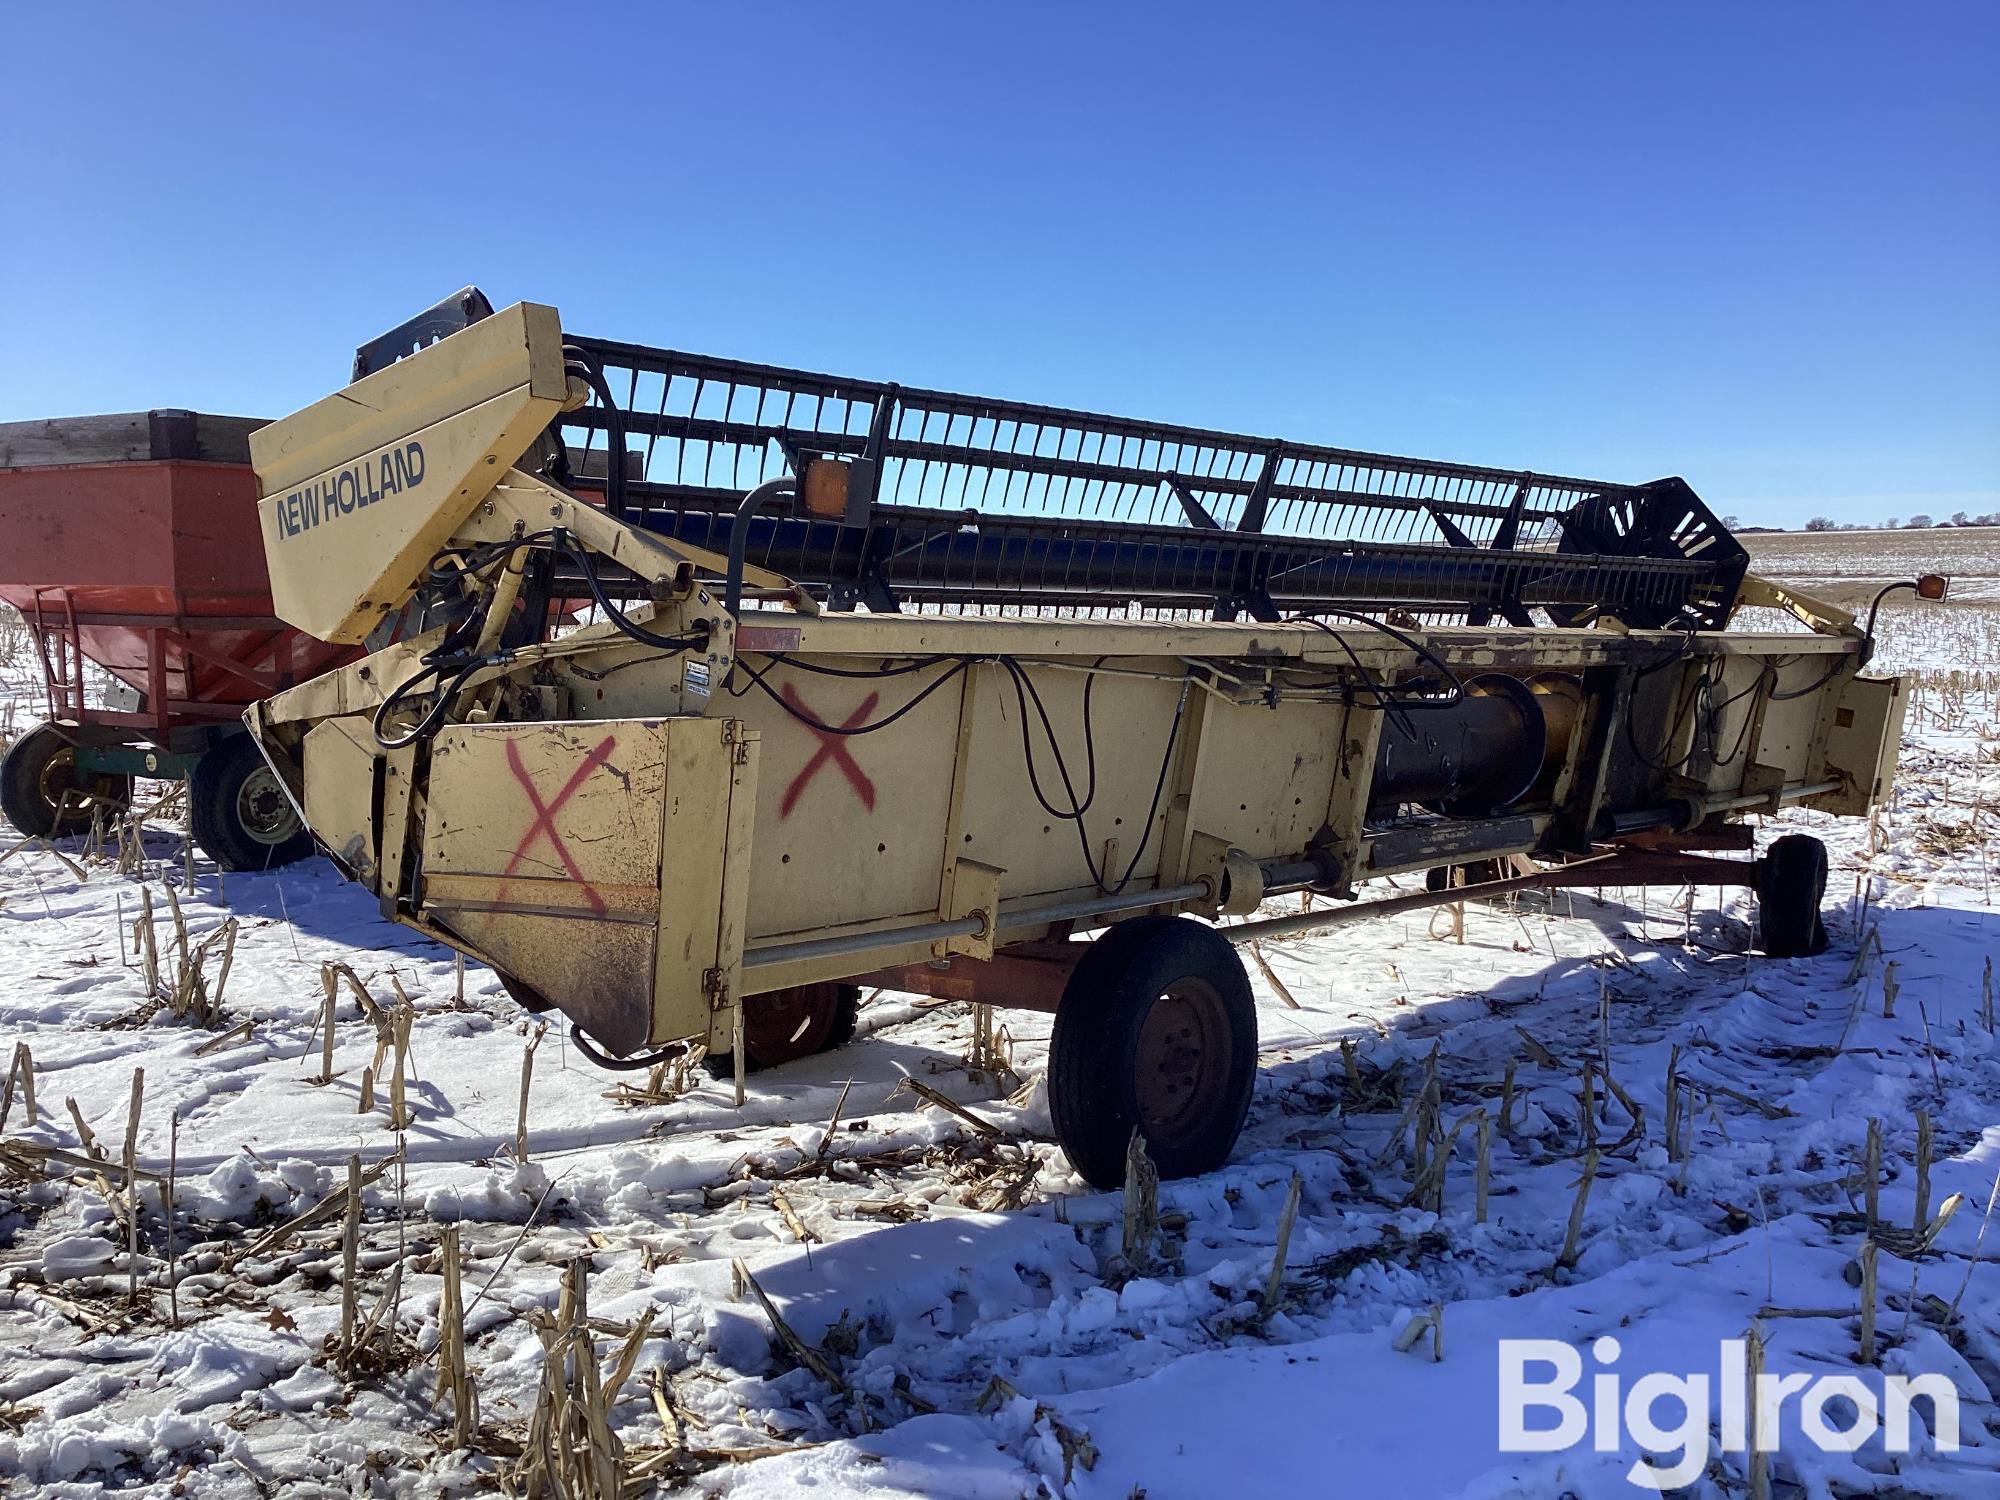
544 825
832 749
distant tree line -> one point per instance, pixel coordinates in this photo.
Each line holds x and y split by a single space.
1915 523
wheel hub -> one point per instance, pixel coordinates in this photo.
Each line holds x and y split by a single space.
1181 1043
60 778
263 810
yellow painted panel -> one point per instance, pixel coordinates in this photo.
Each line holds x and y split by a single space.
848 826
694 864
362 488
1004 824
1266 777
339 792
1861 743
542 850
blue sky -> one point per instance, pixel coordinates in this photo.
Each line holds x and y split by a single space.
1757 245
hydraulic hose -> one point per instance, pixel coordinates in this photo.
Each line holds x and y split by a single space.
584 364
739 537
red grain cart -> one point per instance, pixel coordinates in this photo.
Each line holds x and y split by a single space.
131 542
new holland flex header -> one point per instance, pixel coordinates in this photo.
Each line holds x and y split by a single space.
701 693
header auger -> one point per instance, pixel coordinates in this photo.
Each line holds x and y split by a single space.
704 692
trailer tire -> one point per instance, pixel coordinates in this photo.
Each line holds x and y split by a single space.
1156 1032
239 812
1791 883
786 1025
38 769
1438 877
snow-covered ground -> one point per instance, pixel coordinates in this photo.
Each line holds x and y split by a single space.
960 1316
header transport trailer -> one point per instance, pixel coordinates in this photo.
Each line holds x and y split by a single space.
1109 677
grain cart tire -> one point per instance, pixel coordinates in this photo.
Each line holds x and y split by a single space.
40 771
786 1025
1791 882
239 812
1157 1031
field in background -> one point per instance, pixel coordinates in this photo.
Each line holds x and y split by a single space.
1954 646
1851 565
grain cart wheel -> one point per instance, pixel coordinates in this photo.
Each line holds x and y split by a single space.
43 792
1156 1031
240 814
785 1025
1791 880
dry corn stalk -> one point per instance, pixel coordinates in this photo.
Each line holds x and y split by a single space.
1760 1456
1634 1112
1923 1206
1567 1260
132 1183
1077 1447
950 1105
350 1253
343 1199
1871 1171
453 1378
146 943
333 973
1871 939
191 998
527 1079
240 1032
1673 1103
571 1450
671 1429
1868 1302
1142 1204
1541 1055
329 988
1278 986
791 1217
1431 1322
38 842
979 1057
20 1074
382 1318
1686 1113
399 1033
665 1081
1483 1178
167 1208
93 1160
1276 1279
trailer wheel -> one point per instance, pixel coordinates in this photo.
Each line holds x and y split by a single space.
43 792
1438 877
1791 882
240 814
1157 1031
786 1025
